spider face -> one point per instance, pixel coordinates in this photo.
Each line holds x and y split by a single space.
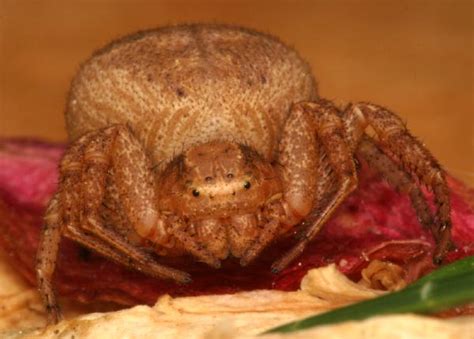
217 180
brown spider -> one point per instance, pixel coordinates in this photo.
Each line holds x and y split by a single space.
211 140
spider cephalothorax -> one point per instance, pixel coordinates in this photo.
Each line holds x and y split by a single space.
217 180
211 141
219 193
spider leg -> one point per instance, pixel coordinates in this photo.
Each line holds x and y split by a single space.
400 180
195 248
95 166
242 230
266 235
46 260
413 158
74 212
48 247
326 124
106 250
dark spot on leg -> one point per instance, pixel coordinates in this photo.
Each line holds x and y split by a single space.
149 77
263 79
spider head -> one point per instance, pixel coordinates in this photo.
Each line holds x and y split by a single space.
218 180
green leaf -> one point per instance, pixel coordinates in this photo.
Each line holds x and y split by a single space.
463 265
449 286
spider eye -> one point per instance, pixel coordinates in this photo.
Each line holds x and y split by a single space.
247 185
195 193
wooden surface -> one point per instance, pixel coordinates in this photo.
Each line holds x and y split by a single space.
415 57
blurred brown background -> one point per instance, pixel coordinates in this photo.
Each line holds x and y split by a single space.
415 57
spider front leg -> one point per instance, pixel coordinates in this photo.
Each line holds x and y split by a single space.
75 209
317 168
368 150
412 157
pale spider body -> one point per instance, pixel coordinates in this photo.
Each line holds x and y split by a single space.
211 141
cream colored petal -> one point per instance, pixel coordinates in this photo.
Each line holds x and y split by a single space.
240 315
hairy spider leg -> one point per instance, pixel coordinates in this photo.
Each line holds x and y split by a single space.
55 218
267 234
368 150
46 260
322 121
74 212
413 158
401 147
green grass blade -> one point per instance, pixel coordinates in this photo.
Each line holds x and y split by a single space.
449 286
463 265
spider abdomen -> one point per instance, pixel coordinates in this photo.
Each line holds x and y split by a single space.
181 86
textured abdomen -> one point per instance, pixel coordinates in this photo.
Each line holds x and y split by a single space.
183 85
